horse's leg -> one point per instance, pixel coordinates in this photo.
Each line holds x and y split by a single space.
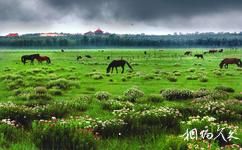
122 69
116 69
112 70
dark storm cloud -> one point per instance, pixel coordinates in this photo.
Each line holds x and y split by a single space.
142 10
162 13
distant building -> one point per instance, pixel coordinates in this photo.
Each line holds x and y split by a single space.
51 34
12 35
89 33
98 32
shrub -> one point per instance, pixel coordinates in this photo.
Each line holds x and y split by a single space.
201 93
224 88
56 109
80 103
191 70
97 77
112 127
238 96
175 94
203 79
55 135
161 117
41 90
40 94
102 95
155 98
177 74
21 114
229 74
216 109
172 79
60 84
55 92
133 94
149 77
11 85
123 79
192 77
115 105
217 72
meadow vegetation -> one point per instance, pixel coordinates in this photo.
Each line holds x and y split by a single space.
72 104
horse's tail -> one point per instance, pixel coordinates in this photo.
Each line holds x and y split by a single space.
49 61
221 64
129 65
23 59
240 63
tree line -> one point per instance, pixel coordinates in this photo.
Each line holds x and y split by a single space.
126 40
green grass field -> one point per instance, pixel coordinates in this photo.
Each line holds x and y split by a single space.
71 90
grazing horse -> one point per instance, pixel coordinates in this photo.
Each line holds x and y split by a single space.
88 56
227 61
221 50
188 53
199 56
78 57
43 58
118 63
212 51
24 58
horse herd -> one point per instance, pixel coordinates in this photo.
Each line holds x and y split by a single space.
121 63
224 63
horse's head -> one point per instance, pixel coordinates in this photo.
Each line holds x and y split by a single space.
221 65
108 69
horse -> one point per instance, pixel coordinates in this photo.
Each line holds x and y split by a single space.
43 58
78 57
205 52
88 56
24 58
62 50
221 50
199 56
212 51
118 63
227 61
188 53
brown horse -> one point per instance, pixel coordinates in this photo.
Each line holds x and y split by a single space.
227 61
43 58
212 51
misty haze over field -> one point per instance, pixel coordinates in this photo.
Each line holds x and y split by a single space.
120 16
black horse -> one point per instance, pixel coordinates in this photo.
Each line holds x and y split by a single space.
199 56
221 50
118 63
188 53
78 57
24 58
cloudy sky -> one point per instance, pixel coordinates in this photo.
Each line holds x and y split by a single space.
120 16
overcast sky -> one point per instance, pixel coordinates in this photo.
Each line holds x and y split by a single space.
120 16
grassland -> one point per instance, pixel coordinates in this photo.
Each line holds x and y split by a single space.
68 88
